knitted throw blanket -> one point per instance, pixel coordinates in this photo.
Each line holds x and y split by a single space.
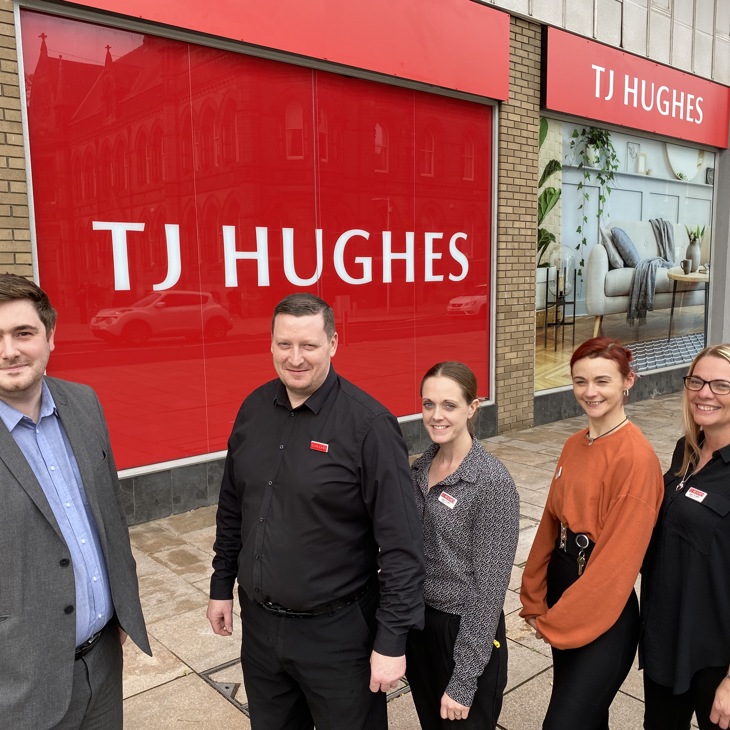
643 283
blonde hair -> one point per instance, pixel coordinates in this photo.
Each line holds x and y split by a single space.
692 432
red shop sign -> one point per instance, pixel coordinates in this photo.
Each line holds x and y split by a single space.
453 44
598 82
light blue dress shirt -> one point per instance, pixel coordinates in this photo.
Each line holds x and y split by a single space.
46 447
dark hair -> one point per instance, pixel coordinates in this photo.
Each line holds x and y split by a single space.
302 305
462 375
608 349
14 287
692 448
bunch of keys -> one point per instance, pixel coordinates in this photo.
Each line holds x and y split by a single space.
581 559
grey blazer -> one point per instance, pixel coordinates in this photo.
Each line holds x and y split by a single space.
37 634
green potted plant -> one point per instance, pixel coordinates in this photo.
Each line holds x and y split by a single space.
597 159
547 199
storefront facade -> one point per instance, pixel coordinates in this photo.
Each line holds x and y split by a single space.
169 177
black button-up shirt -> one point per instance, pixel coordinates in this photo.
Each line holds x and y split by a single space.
314 500
685 581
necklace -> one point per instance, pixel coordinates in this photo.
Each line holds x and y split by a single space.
591 440
680 486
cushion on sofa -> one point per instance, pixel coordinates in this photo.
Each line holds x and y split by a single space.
614 257
625 247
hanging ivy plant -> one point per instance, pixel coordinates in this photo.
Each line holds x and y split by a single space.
597 159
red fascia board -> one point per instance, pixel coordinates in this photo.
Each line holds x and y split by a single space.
594 81
453 44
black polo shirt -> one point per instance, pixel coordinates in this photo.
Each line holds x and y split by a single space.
314 500
685 581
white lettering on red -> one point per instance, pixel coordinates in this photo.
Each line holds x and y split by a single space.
119 249
231 255
365 261
174 262
389 256
287 235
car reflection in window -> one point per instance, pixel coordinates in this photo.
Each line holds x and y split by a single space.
186 314
472 304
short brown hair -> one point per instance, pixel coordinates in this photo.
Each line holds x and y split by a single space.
303 305
14 287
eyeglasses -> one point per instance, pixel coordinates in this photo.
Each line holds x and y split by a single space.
718 387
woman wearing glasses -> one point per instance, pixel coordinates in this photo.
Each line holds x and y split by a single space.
685 591
578 582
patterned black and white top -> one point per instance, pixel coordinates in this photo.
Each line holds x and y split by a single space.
470 529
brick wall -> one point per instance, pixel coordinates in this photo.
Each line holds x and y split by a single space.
15 249
519 121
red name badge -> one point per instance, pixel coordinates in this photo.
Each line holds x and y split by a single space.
319 446
697 494
448 500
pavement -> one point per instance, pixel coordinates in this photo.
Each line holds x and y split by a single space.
194 680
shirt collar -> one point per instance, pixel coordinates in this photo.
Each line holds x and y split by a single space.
725 453
315 401
466 471
11 417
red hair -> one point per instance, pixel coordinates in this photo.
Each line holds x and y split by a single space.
607 348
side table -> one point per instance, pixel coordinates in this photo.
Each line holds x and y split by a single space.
676 274
559 301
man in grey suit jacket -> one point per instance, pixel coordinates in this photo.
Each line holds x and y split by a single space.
68 582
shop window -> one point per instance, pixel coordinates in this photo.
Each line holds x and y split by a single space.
88 188
609 200
382 148
186 145
105 171
426 154
229 150
208 157
120 167
157 156
468 159
294 132
323 136
141 154
76 176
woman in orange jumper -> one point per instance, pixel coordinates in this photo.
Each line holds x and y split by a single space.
578 583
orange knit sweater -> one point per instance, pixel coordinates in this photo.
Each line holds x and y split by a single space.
611 490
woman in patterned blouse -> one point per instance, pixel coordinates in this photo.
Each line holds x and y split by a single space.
469 508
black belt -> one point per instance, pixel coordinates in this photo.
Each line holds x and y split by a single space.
331 607
88 645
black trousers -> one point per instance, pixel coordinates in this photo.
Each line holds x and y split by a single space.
664 710
586 679
299 672
430 662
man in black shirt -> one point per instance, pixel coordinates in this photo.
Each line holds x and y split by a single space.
317 522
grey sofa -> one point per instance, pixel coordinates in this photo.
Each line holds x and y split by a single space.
607 289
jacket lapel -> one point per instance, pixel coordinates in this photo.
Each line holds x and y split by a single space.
17 465
78 438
